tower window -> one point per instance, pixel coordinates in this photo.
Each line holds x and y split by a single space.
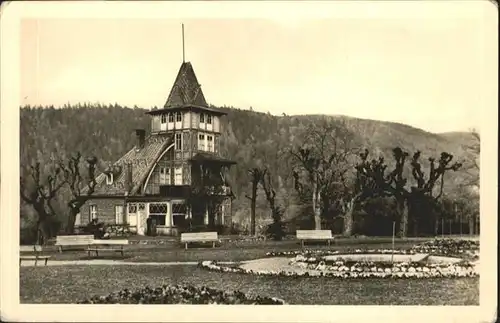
179 116
178 176
209 119
170 117
163 118
164 176
210 143
178 141
202 118
201 142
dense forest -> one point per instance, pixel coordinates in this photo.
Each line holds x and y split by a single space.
272 164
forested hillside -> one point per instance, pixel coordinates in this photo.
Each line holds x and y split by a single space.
250 138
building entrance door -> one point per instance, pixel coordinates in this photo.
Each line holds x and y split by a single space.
142 218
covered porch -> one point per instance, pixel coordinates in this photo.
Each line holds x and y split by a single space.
175 216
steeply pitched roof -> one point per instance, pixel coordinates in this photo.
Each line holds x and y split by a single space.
186 90
141 161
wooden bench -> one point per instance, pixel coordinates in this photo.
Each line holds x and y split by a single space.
34 254
74 240
199 237
314 235
107 245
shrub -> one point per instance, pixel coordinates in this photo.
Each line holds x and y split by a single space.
96 228
180 294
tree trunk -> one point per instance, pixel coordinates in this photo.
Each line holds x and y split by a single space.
42 232
472 226
70 225
403 213
348 219
415 228
436 226
316 208
211 215
253 200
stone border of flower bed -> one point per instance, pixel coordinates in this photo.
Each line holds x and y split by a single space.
182 294
345 272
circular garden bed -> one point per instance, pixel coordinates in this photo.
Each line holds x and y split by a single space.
435 259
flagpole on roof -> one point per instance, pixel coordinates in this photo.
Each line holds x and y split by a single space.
183 51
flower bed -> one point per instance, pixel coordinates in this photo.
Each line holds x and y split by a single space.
116 230
337 252
425 264
437 247
181 294
448 247
357 270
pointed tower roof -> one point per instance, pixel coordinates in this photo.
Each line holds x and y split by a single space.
186 90
186 93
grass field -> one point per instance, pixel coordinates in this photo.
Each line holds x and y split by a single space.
225 252
69 284
73 283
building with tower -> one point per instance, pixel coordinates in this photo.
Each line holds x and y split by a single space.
175 175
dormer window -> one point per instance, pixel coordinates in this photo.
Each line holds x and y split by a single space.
163 118
109 178
209 119
179 116
202 118
170 117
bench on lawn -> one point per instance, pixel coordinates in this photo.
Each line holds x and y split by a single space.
314 235
34 254
199 237
107 245
74 240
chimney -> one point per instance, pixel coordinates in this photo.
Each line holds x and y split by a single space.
140 135
128 177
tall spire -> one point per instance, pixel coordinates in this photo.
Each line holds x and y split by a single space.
183 52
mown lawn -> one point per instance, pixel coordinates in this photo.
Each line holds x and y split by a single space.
70 284
225 252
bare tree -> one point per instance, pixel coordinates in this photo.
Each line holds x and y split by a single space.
256 175
322 163
76 182
39 193
394 184
276 228
208 187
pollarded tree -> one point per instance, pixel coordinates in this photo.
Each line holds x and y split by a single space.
361 188
39 192
255 155
256 175
322 163
81 187
209 187
275 229
395 184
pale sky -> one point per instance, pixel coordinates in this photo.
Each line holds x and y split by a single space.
428 72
